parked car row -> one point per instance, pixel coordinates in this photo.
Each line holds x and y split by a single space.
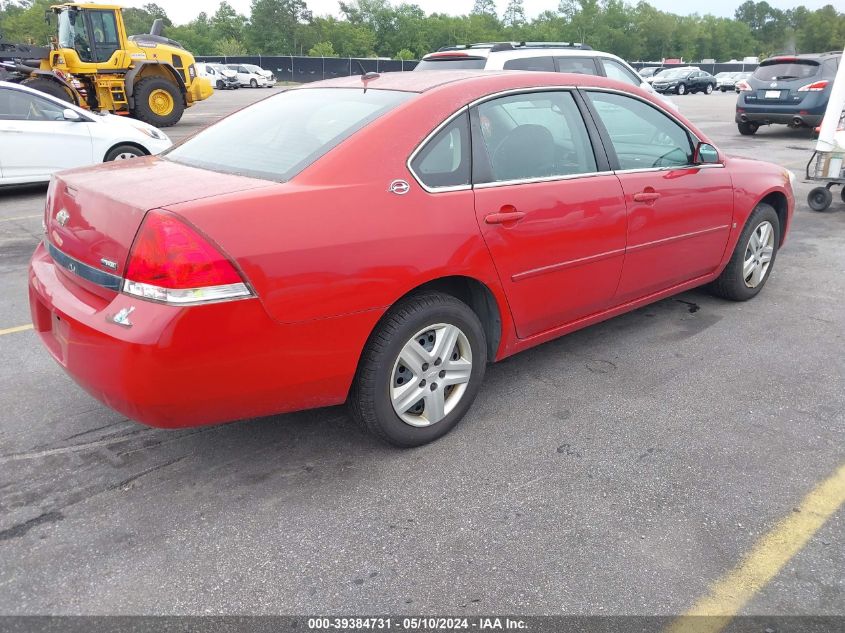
226 76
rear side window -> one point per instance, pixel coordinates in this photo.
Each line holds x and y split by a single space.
577 65
532 136
531 63
795 69
452 63
277 138
445 160
615 70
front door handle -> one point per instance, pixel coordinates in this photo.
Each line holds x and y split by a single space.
505 216
649 195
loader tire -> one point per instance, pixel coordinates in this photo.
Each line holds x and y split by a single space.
158 102
49 87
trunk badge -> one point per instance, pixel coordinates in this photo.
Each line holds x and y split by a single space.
108 263
62 217
774 84
122 317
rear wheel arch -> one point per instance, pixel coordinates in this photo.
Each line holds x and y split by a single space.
476 294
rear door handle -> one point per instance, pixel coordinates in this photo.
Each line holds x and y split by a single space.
646 196
502 218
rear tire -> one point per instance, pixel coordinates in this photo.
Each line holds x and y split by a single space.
821 198
49 87
741 279
150 93
395 395
747 128
842 194
123 152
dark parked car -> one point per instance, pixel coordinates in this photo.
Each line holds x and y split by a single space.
791 90
684 80
649 72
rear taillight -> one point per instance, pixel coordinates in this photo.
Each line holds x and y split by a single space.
171 262
743 86
816 86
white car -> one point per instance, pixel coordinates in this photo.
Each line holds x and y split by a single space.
562 57
40 134
250 75
220 76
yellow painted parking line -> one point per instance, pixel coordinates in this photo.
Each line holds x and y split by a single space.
733 591
23 217
12 330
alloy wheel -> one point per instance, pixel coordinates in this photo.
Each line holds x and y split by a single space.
431 375
758 254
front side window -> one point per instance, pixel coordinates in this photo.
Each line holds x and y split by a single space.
615 70
445 160
532 136
278 137
531 63
16 105
642 136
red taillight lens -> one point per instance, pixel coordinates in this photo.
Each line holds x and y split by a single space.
743 86
816 86
171 262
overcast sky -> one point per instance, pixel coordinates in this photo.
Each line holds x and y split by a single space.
181 11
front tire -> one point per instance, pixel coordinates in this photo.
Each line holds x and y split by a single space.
709 89
158 102
681 89
123 152
253 83
753 257
420 371
821 198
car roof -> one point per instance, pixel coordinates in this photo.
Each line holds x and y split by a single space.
419 81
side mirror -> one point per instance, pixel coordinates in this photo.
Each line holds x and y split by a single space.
71 115
705 154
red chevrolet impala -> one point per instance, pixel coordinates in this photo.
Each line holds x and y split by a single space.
379 241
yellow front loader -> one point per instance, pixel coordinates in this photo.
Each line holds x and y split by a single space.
93 63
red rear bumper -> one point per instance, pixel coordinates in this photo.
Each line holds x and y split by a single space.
188 366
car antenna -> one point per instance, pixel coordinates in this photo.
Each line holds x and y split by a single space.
366 76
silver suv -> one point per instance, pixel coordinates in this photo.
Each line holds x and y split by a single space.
562 57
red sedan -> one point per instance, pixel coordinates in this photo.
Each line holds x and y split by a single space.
379 241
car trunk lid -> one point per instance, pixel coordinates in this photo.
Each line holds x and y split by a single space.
93 214
777 80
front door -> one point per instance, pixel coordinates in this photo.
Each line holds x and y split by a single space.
35 138
679 214
551 215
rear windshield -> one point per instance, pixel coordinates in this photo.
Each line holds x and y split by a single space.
452 63
277 138
776 71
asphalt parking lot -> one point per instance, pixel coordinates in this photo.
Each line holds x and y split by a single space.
622 469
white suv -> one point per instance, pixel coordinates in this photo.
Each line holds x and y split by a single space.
251 76
559 57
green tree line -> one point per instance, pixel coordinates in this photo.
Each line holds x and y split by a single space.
403 30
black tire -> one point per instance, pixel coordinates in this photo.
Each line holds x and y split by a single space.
115 152
681 89
369 399
143 112
842 194
253 83
709 89
49 87
747 128
220 85
820 198
731 283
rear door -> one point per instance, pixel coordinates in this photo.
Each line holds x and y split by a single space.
36 139
679 214
552 215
